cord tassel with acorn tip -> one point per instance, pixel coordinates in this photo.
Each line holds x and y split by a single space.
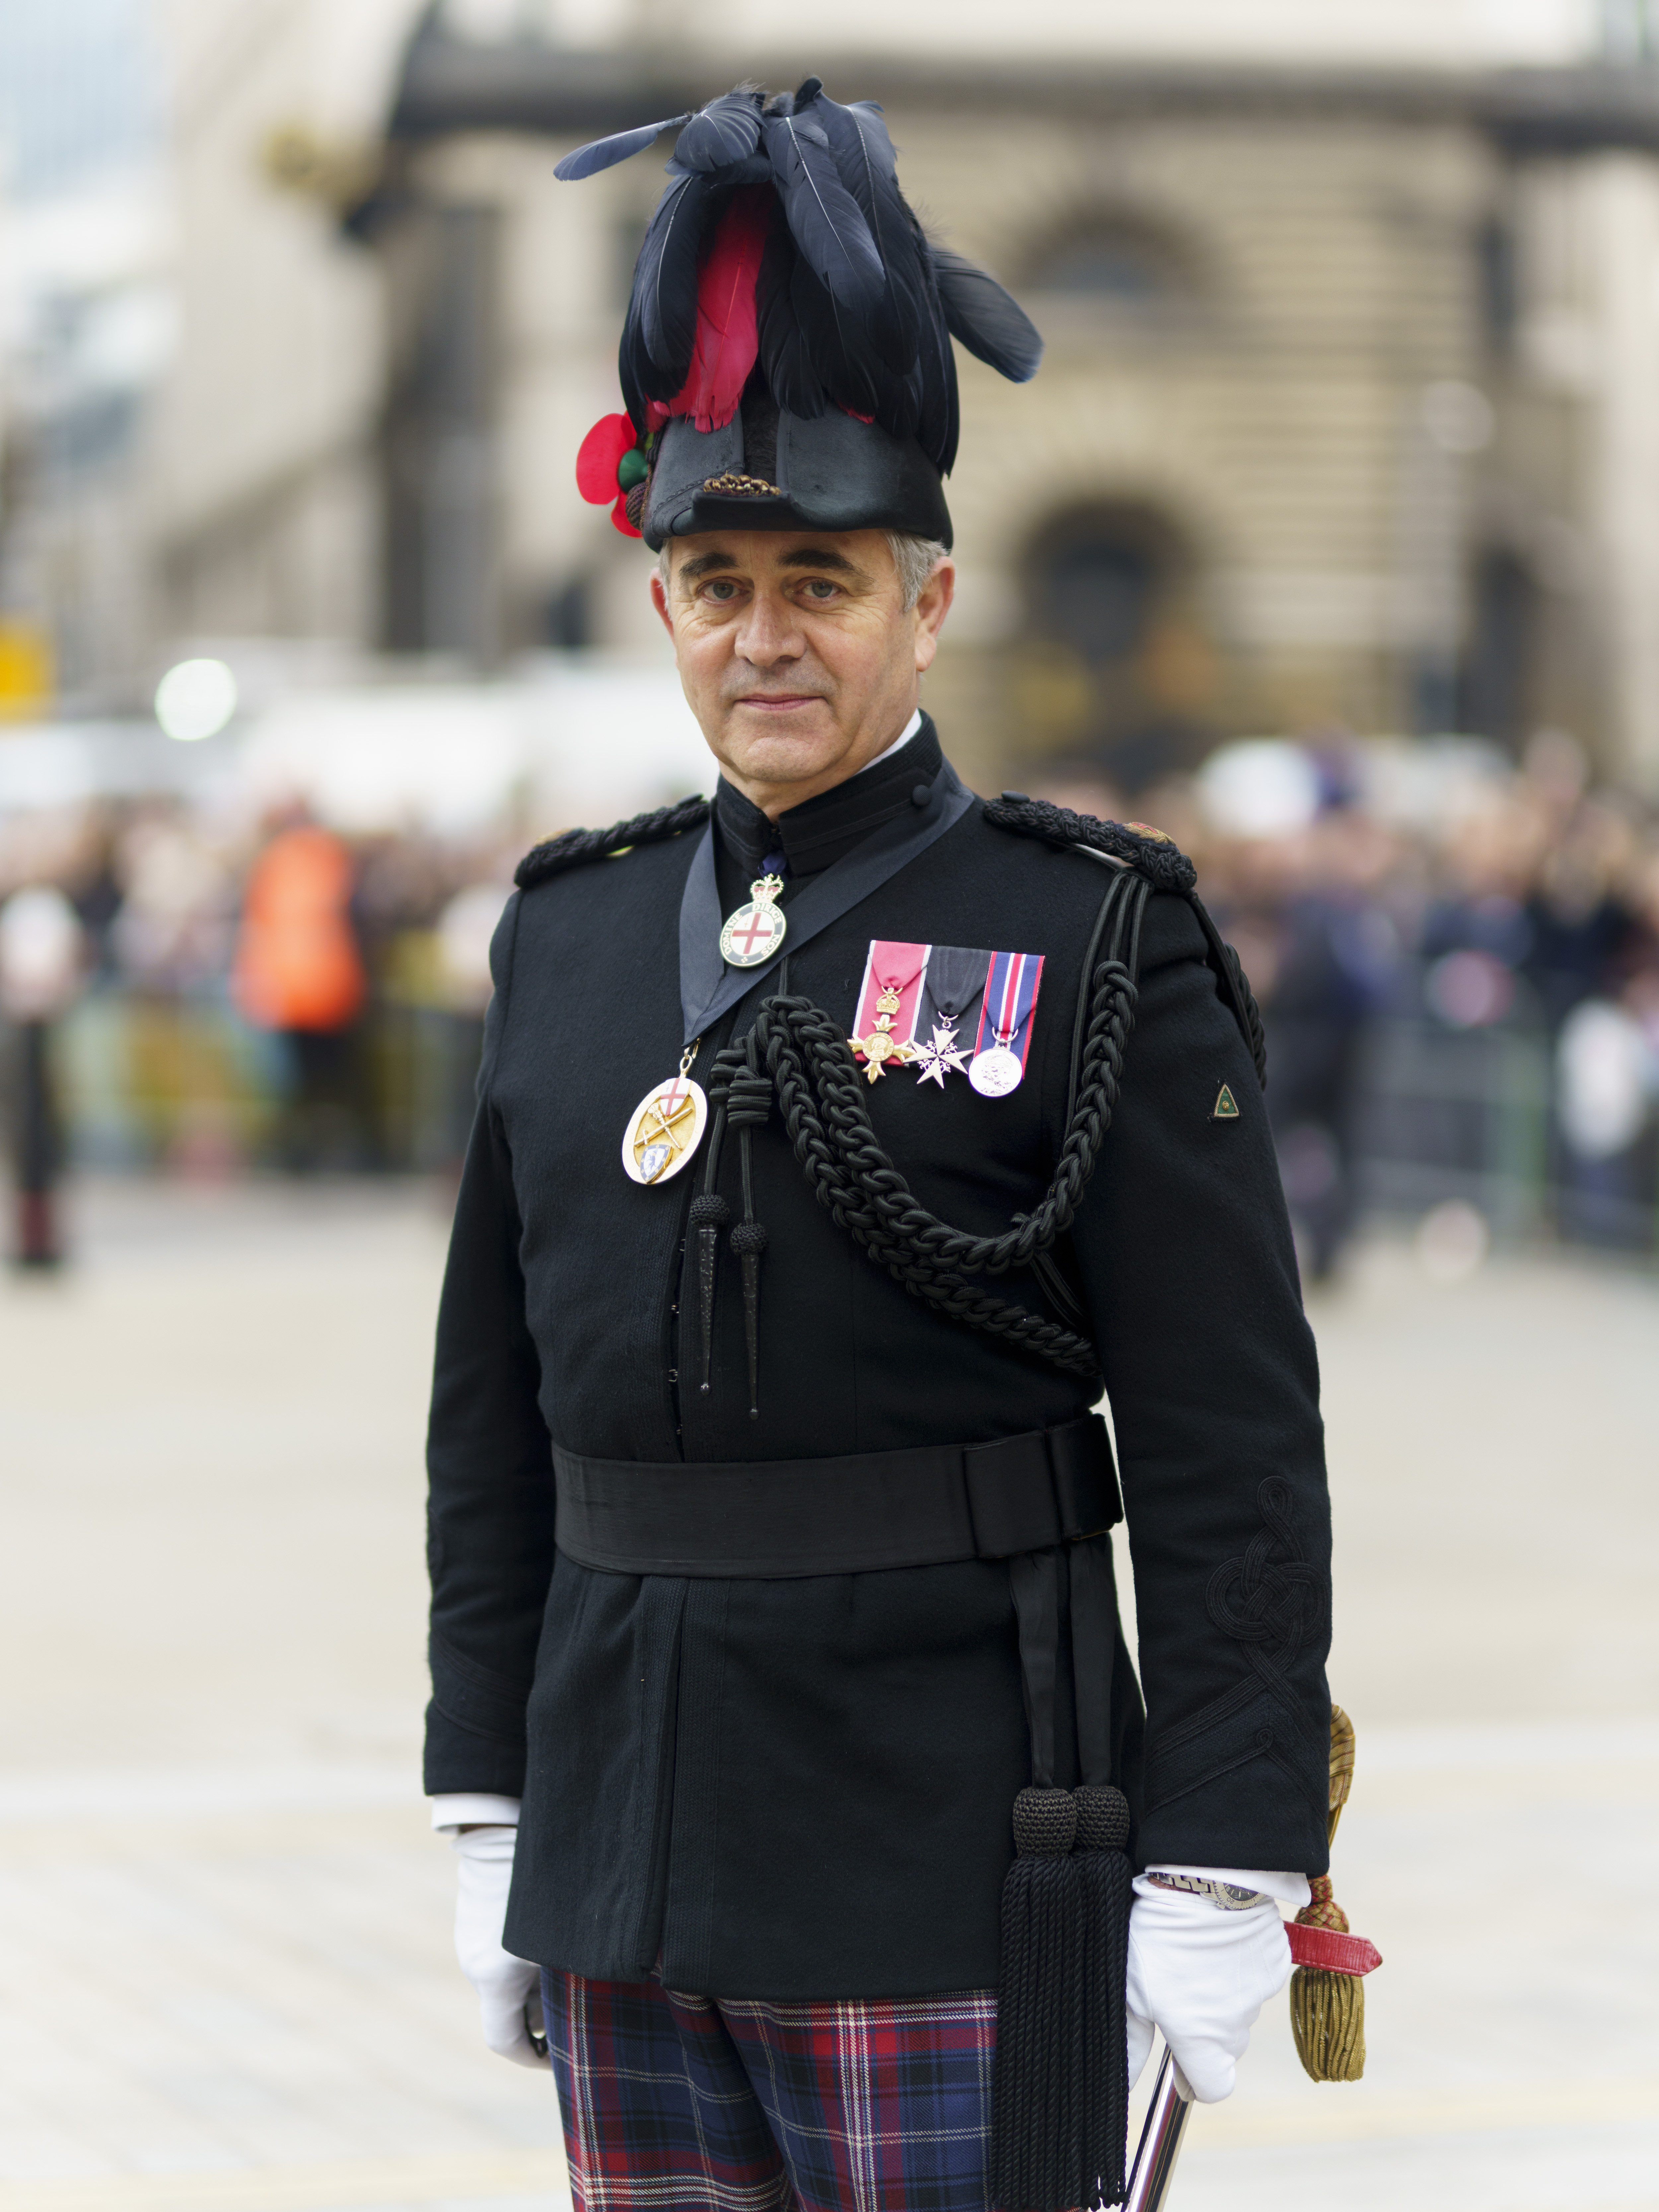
1327 1991
709 1215
748 1104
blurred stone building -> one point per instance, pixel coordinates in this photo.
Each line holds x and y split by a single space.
1350 414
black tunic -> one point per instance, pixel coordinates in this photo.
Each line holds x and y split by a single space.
802 1788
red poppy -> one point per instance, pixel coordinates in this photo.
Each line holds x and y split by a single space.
601 452
619 516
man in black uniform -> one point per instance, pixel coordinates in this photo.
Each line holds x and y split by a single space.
837 1145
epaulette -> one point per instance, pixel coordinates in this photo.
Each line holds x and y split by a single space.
574 846
1149 852
1156 855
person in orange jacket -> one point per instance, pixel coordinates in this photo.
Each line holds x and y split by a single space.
298 971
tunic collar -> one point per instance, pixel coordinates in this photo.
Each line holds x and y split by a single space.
885 817
814 836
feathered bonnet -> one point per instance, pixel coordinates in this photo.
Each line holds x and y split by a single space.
786 361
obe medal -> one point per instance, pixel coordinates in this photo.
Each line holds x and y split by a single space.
995 1072
755 932
882 1044
665 1127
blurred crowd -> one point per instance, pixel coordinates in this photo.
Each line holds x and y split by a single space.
209 995
1457 959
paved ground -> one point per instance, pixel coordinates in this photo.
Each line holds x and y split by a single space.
224 1926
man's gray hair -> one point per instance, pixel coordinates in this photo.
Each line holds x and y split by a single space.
915 559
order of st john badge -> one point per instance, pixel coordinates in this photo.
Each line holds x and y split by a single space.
665 1128
755 932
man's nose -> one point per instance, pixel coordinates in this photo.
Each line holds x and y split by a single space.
769 631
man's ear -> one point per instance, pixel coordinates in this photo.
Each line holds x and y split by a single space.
660 600
930 609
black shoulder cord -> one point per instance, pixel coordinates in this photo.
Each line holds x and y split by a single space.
827 1117
1055 1288
821 1094
1230 970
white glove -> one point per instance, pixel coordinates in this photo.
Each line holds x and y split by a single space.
1200 1976
505 1984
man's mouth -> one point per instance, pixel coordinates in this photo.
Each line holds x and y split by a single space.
778 702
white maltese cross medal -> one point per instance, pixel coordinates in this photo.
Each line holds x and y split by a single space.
755 932
941 1057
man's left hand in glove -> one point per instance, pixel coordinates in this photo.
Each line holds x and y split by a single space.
1207 1948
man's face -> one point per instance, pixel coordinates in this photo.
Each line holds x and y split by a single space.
798 655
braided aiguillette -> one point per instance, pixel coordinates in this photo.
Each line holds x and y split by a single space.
828 1121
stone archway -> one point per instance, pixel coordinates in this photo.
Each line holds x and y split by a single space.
1117 669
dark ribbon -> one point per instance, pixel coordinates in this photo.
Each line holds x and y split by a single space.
1034 1578
1094 1652
956 976
708 989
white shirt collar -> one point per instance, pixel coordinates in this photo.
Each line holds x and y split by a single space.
902 739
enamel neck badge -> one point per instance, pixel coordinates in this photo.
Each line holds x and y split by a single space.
755 931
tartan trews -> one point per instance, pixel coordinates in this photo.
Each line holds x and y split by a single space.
688 2104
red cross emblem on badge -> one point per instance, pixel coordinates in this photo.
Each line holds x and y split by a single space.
759 924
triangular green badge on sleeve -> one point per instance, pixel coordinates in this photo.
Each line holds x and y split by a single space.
1226 1106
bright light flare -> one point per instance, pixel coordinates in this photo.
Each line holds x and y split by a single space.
195 700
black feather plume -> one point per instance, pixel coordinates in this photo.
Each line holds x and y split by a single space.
846 370
605 153
867 165
832 236
662 317
938 405
988 322
724 132
786 358
853 306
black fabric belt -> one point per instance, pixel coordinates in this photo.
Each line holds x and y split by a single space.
776 1520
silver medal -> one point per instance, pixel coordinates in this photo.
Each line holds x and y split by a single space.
995 1072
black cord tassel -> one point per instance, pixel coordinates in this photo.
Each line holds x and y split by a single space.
748 1243
749 1101
1102 1830
1037 2091
709 1215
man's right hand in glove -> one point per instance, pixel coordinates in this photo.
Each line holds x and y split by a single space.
505 1984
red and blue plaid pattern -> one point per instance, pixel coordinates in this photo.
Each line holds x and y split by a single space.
687 2104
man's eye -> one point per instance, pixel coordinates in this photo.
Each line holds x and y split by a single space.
818 589
722 589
